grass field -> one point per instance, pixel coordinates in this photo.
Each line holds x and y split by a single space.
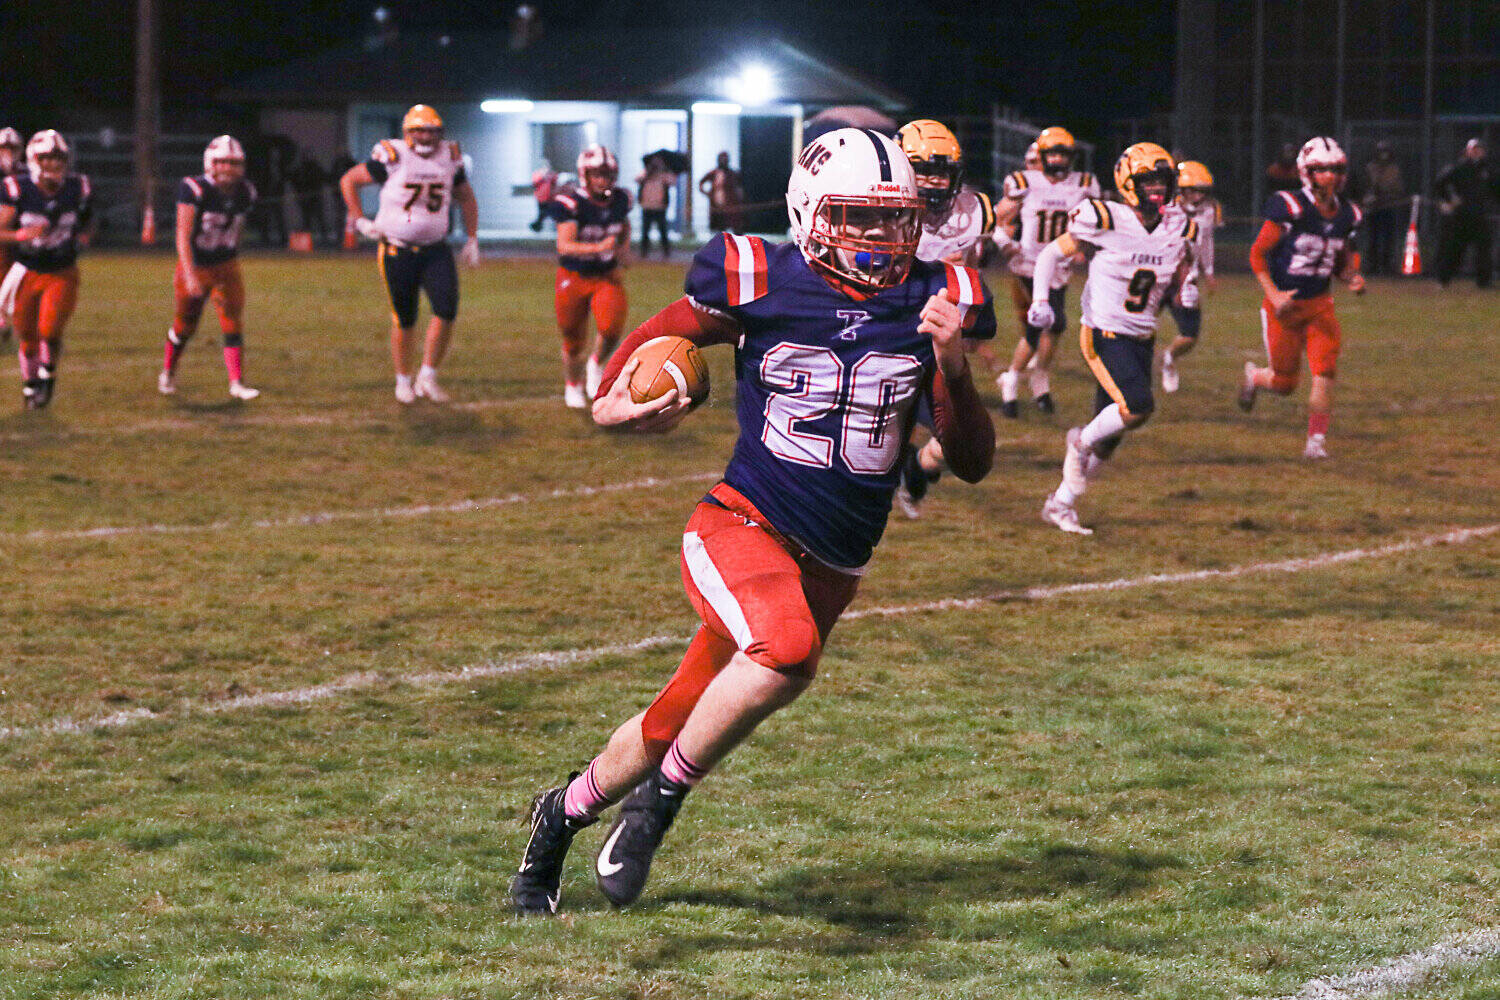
1198 787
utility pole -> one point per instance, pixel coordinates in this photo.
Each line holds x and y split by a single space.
147 114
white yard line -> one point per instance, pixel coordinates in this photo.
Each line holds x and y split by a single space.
534 661
1411 970
372 514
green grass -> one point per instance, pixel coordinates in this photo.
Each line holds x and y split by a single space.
1211 789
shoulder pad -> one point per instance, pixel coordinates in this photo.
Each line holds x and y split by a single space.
729 271
252 191
567 199
986 213
1103 215
13 188
1290 204
1017 181
194 186
85 187
1359 213
1191 230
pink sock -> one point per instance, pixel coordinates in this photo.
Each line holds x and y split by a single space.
677 769
583 800
173 352
232 361
29 364
51 352
1317 423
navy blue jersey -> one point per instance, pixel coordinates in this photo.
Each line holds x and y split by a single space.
1311 244
220 218
65 214
827 386
596 220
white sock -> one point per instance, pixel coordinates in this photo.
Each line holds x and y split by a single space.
403 381
1065 496
1041 382
1167 360
426 372
1109 422
1009 385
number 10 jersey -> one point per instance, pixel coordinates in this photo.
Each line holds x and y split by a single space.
827 386
1045 205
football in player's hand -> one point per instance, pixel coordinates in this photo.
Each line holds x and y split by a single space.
669 363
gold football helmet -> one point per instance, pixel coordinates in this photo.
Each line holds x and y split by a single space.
1056 146
1142 162
936 158
422 129
1192 174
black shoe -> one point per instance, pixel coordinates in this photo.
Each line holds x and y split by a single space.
1011 410
1044 403
29 392
534 890
914 478
624 861
536 227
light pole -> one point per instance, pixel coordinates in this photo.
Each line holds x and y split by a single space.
147 115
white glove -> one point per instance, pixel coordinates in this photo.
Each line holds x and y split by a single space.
1040 315
1188 297
367 228
469 255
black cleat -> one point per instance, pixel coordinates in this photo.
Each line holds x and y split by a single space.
29 392
535 888
1044 403
624 861
1011 410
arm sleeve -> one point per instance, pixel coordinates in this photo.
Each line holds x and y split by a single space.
1265 240
680 319
963 426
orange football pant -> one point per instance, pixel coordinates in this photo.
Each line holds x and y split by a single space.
1309 326
221 281
576 293
44 302
757 593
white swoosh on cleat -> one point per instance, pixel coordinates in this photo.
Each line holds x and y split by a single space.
605 865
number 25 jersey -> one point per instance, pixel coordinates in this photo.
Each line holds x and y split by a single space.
1132 267
1311 244
827 386
416 192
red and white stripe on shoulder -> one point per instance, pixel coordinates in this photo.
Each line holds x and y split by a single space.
744 268
12 187
192 182
88 187
1292 204
964 288
566 200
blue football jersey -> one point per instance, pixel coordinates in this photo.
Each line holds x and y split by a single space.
220 218
66 213
1304 259
827 386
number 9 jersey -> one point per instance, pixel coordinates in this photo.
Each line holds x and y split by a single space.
1132 268
1312 245
827 386
416 192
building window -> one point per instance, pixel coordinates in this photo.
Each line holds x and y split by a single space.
559 143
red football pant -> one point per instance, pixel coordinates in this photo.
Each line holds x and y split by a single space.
224 284
756 593
576 293
1310 326
44 303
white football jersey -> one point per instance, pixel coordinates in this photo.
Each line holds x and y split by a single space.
1131 268
1209 215
416 192
955 237
1045 205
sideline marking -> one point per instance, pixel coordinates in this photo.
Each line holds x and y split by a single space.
1409 970
333 516
543 660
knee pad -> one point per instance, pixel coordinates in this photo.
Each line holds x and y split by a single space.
795 649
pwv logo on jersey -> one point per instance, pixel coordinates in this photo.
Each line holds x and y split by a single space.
853 320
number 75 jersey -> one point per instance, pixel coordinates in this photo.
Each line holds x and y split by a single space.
1132 267
1311 244
827 385
416 192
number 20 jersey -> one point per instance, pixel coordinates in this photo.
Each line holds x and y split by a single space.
1132 267
827 386
1311 244
416 192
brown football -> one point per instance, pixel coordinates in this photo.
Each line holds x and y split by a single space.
668 363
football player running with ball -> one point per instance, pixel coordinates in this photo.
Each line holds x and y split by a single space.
47 213
1195 187
420 177
1139 253
955 221
1308 236
1041 199
593 243
211 211
837 336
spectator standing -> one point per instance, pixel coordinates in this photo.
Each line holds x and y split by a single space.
1282 174
1464 191
543 183
269 178
307 179
1385 200
654 189
725 195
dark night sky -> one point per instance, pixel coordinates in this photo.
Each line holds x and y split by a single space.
1082 64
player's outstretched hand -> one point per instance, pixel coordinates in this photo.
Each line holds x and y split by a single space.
942 321
367 228
617 410
191 284
28 233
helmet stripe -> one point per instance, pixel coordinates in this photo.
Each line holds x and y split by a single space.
880 153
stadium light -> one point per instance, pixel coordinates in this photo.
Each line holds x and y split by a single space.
754 87
505 105
716 108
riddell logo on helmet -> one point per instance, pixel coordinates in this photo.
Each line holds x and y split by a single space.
887 188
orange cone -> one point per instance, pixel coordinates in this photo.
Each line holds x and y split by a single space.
148 226
1411 259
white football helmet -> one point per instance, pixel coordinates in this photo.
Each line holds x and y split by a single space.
10 149
1321 152
599 161
855 209
224 160
47 156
